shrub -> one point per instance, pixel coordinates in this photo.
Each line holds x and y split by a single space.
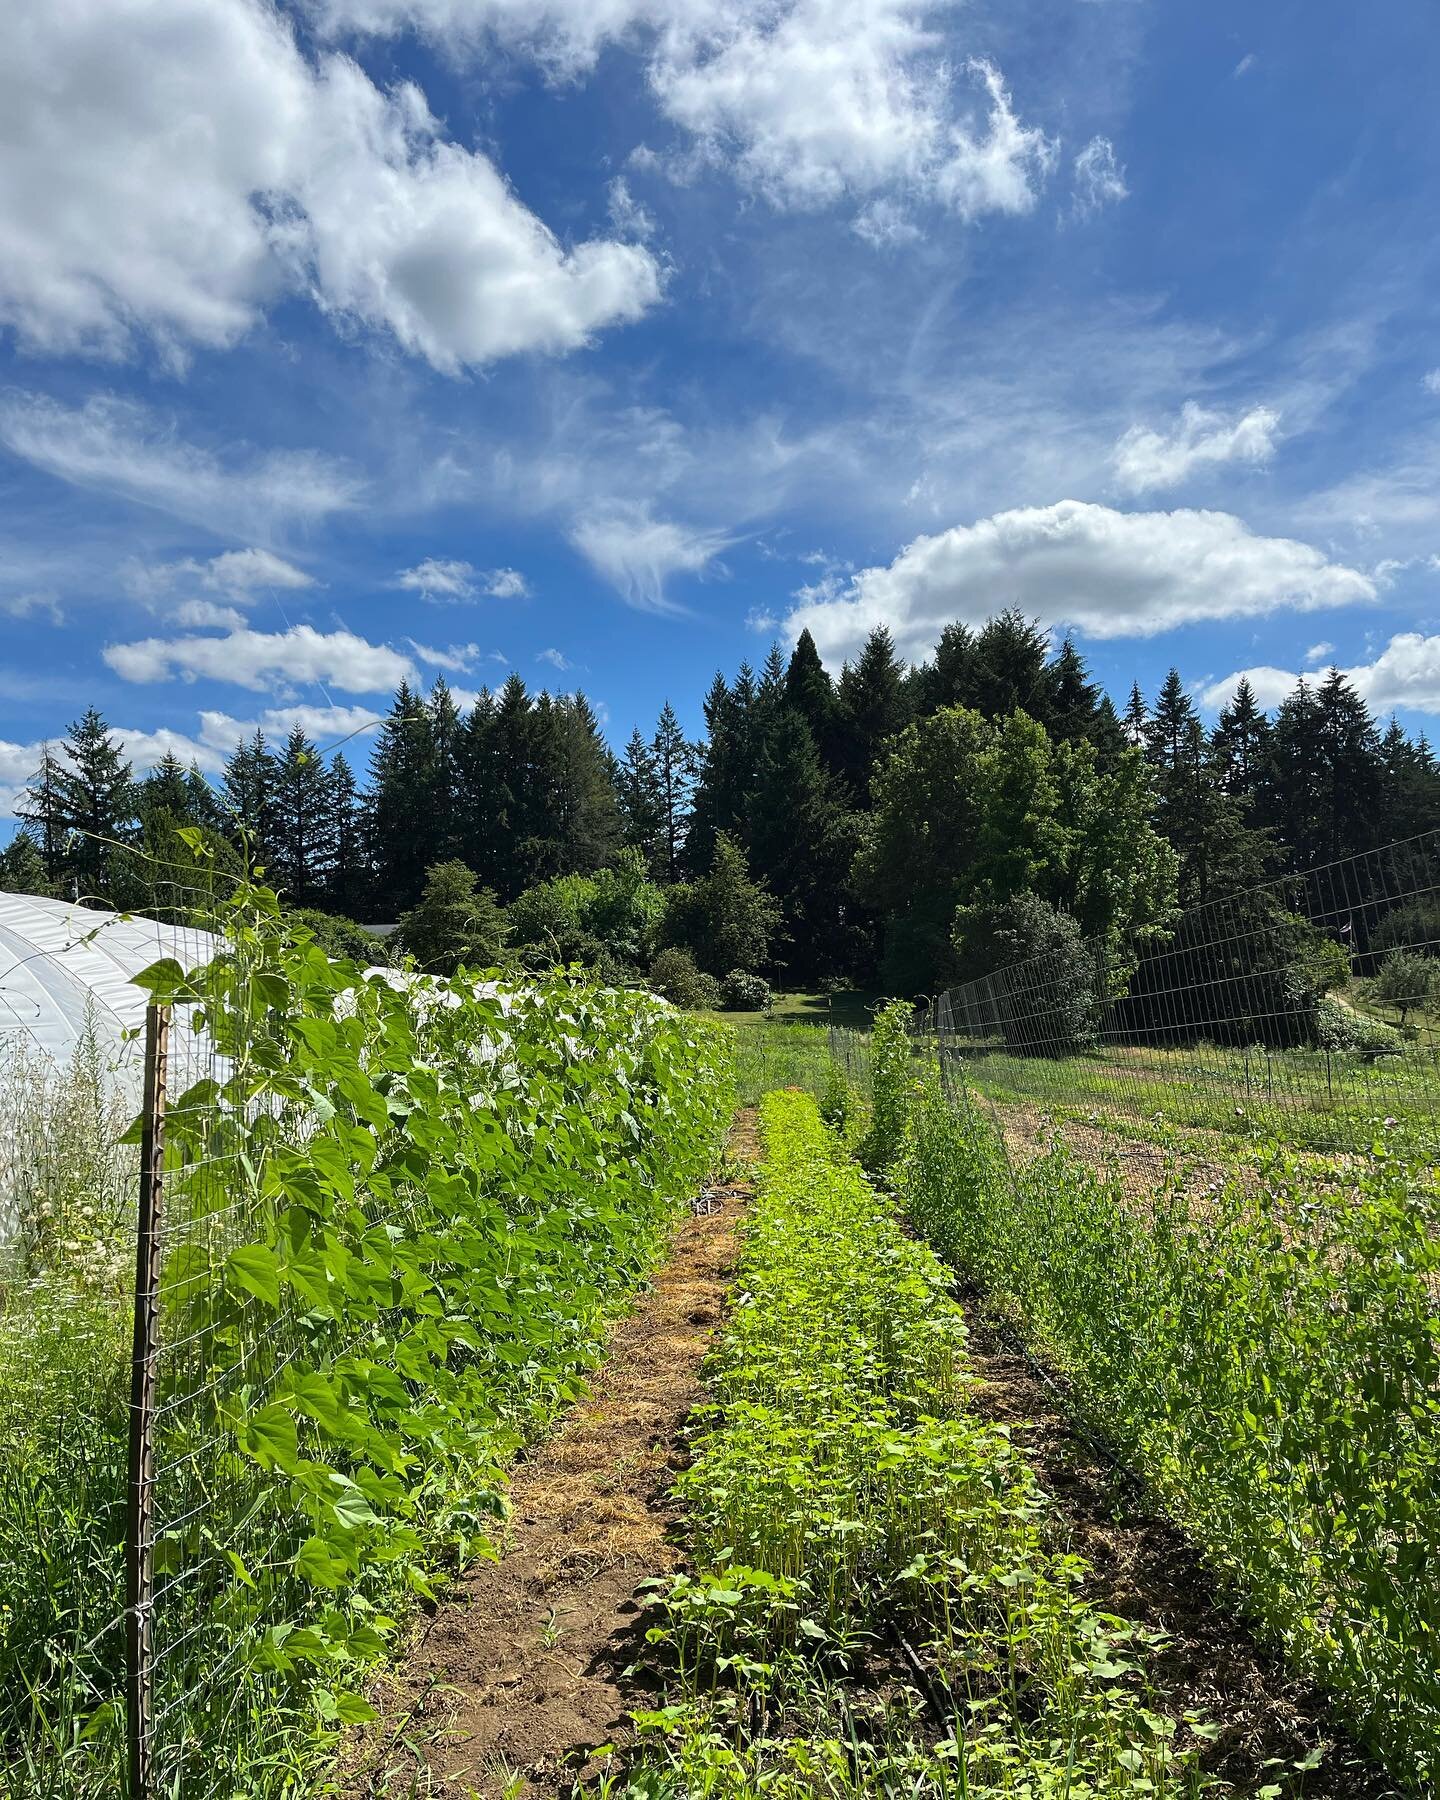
673 974
1338 1028
743 992
457 922
1046 1008
891 1081
341 938
726 920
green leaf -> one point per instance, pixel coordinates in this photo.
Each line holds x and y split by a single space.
254 1268
269 1436
163 979
316 1563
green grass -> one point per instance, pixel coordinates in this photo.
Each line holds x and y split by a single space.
852 1009
843 1500
1307 1099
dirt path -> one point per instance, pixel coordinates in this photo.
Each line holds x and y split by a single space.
1144 1569
519 1672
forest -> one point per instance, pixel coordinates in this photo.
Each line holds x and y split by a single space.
900 826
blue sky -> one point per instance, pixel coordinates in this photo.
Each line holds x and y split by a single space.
608 340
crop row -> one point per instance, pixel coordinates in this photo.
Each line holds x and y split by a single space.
876 1605
1265 1352
399 1218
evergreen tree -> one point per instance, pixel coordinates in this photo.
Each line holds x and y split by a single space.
167 789
641 802
675 779
304 839
22 866
42 810
1070 705
948 679
810 692
1410 786
725 919
455 923
97 803
1326 772
1008 669
249 799
1136 719
876 704
1240 745
727 769
347 879
802 843
400 825
588 824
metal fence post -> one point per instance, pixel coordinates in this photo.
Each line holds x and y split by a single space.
140 1500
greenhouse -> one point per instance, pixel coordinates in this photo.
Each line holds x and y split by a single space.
63 966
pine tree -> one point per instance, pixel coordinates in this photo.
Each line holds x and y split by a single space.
1240 745
1070 705
22 866
304 839
727 768
1136 719
347 879
1410 799
641 802
876 707
97 801
167 789
810 692
675 779
399 824
948 679
1008 670
42 810
588 824
249 800
1354 770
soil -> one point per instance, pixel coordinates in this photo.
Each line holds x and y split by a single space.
520 1671
1144 1569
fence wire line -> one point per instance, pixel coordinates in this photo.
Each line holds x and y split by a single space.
1308 1008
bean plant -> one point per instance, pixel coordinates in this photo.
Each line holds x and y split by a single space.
400 1215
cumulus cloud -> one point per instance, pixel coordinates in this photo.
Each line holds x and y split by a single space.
116 447
638 553
458 658
1430 381
174 166
1318 652
265 659
809 102
1144 459
447 578
1099 178
1405 674
1108 574
238 574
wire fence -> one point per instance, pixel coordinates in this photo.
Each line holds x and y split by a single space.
1308 1008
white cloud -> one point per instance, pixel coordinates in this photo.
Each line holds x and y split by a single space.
262 659
627 215
238 574
32 605
1144 459
444 578
556 659
824 103
201 615
323 725
809 102
1405 674
116 447
1318 652
1245 64
504 584
174 166
637 553
458 658
1099 178
1108 574
1430 381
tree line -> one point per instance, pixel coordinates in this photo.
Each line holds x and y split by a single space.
868 829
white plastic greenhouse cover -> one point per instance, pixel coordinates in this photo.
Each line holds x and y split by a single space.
60 962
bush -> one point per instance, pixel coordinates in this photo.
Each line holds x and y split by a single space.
673 974
1338 1028
1046 1008
456 923
743 992
1407 979
341 938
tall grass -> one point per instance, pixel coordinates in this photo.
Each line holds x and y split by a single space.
66 1219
